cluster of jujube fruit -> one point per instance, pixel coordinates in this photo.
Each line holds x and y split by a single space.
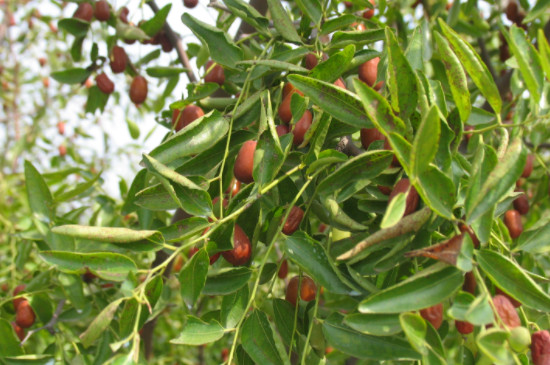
24 314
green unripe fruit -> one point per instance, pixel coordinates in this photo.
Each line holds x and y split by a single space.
520 339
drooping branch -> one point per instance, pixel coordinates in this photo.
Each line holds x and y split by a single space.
176 42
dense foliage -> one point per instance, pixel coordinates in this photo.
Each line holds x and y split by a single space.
346 182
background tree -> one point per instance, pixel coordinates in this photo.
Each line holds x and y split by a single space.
340 182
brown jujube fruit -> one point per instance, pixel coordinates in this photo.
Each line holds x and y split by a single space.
17 290
308 290
213 258
19 331
521 203
433 314
102 10
190 3
301 127
386 190
61 128
512 11
514 302
88 276
283 270
368 72
311 61
62 150
234 187
528 169
468 128
188 115
287 89
285 113
369 135
340 83
369 13
412 197
293 221
470 284
24 316
465 228
118 60
85 12
506 311
178 264
540 348
244 163
104 84
216 74
138 89
42 61
123 15
512 220
282 129
242 249
464 327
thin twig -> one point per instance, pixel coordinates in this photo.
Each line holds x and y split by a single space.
347 146
48 326
176 42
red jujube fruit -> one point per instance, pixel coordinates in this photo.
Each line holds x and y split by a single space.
242 249
244 163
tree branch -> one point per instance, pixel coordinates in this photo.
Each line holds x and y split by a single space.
176 42
347 146
48 326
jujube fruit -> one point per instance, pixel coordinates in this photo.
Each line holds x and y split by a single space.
369 135
244 164
19 331
521 203
118 60
293 220
471 233
540 348
242 249
464 327
190 3
213 258
528 169
283 270
514 302
386 190
301 127
104 84
138 89
470 284
102 10
506 311
308 290
123 14
24 316
234 187
61 128
216 74
17 290
369 13
282 129
88 276
311 61
178 263
340 83
412 197
85 12
62 150
287 89
285 112
519 339
512 11
183 118
468 128
433 314
512 220
368 72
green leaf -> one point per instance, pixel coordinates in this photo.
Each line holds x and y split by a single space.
156 198
544 49
402 80
513 280
233 307
424 289
535 240
475 67
282 22
363 346
339 22
437 190
133 129
152 26
74 26
161 71
71 76
275 65
100 323
195 138
9 343
260 342
268 159
358 38
227 281
312 8
249 14
221 48
456 76
331 69
109 266
38 193
341 104
193 276
394 211
493 343
374 324
379 111
96 100
198 332
312 258
109 234
367 165
499 181
426 142
528 60
416 329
